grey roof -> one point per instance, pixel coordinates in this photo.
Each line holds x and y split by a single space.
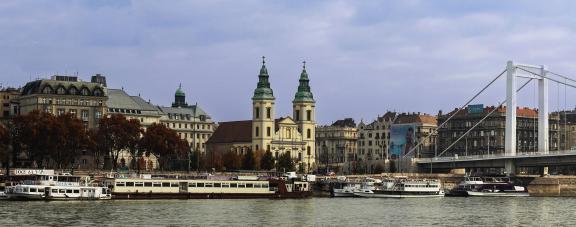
193 111
119 99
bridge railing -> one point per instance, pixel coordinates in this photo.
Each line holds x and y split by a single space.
495 156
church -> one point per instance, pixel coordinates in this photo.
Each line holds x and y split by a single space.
265 132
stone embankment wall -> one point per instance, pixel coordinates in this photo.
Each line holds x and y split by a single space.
553 186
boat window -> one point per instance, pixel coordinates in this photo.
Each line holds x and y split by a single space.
157 184
165 184
76 191
225 185
265 185
120 184
62 191
249 185
192 185
241 185
68 190
40 190
32 189
233 185
257 185
25 189
139 184
147 184
200 185
217 185
129 184
208 185
173 184
54 190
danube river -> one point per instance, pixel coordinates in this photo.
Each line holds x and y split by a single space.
308 212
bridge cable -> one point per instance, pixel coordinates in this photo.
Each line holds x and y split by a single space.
453 114
481 120
551 79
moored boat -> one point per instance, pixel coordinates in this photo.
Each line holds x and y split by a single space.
497 187
404 188
56 187
210 187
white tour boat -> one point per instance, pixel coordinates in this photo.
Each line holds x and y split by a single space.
404 188
56 187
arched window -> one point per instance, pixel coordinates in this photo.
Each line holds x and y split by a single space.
308 133
98 92
308 152
85 91
47 90
60 90
73 90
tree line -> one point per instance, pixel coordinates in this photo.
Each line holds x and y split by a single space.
43 140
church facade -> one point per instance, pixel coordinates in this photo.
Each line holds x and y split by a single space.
265 132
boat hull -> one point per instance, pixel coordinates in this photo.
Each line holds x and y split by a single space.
498 194
398 195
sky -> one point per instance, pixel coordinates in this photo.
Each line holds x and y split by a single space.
363 57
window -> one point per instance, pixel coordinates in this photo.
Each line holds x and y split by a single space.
297 115
249 185
308 115
192 185
61 91
129 184
85 91
139 184
165 184
268 112
308 133
299 156
308 150
233 185
267 131
76 191
85 115
256 112
147 184
120 184
217 185
257 131
200 185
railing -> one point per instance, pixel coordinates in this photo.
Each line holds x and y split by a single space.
496 156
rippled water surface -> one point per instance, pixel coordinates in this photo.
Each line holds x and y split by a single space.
308 212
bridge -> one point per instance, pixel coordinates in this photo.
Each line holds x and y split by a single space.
511 158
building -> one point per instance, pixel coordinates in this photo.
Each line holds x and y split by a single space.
65 94
9 104
190 122
567 129
488 136
393 136
294 134
336 146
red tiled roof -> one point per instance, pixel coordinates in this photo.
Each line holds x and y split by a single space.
232 132
521 112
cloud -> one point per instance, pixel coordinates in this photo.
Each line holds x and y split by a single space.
364 57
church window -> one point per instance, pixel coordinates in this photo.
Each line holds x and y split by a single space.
268 147
256 112
297 115
257 132
299 156
308 150
268 112
267 131
308 115
308 133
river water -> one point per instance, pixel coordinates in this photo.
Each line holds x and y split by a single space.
446 211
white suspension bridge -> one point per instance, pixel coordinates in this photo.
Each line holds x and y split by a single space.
511 158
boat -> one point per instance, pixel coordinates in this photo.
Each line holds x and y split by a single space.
207 187
345 189
56 187
402 187
497 187
466 185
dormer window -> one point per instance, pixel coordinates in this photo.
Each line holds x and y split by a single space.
61 91
85 92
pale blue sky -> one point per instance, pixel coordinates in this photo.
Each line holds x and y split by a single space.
364 57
